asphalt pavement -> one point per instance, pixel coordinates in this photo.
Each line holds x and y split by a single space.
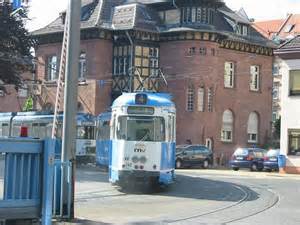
197 197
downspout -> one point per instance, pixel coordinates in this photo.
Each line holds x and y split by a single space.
131 62
11 124
174 4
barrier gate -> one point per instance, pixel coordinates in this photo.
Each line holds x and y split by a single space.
28 181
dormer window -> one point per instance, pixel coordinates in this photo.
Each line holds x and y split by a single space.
242 29
202 15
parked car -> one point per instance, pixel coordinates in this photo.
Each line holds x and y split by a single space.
193 155
271 160
252 158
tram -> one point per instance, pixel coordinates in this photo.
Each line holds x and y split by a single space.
136 140
39 125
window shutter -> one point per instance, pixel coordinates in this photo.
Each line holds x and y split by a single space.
227 121
253 123
201 93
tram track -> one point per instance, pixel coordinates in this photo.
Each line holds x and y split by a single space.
231 207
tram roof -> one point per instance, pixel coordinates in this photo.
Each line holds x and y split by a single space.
153 99
6 116
43 116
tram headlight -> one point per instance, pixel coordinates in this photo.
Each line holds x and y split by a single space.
143 159
135 159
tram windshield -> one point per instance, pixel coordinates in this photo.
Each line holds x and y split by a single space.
138 128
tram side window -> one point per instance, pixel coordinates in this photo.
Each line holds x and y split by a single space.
104 133
4 130
16 130
42 130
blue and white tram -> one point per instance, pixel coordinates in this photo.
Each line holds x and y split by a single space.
142 134
39 125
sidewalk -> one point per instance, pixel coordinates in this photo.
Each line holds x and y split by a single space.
240 173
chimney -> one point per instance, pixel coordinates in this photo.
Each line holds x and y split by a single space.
63 17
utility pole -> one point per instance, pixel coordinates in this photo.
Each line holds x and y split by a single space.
70 107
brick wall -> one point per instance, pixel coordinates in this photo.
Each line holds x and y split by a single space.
94 94
207 71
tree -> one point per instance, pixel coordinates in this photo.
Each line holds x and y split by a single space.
277 126
15 47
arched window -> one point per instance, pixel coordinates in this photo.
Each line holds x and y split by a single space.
190 99
252 128
227 126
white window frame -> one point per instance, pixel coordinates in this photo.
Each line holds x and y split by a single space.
82 66
190 99
229 75
210 94
245 30
52 65
254 78
227 128
252 128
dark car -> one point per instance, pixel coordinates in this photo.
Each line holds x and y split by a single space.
193 155
252 158
271 160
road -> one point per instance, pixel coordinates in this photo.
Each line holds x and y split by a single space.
197 197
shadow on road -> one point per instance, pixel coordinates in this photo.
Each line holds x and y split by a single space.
206 189
184 187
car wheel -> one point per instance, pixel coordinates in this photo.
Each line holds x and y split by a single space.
260 169
235 168
205 164
178 164
253 167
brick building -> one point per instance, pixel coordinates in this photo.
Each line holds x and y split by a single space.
217 66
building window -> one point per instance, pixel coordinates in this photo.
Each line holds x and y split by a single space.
275 70
121 60
213 52
254 78
190 99
52 68
295 82
229 75
294 142
242 29
245 30
202 51
252 128
192 51
82 66
227 126
146 61
23 91
276 91
201 101
197 15
210 94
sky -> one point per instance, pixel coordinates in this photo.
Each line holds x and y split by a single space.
42 12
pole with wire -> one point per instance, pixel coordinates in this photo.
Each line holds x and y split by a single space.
70 108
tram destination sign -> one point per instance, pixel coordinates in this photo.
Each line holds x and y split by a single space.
140 110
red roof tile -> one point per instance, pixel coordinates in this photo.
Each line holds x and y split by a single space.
282 27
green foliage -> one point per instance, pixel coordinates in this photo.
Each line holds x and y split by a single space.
15 46
277 126
28 106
